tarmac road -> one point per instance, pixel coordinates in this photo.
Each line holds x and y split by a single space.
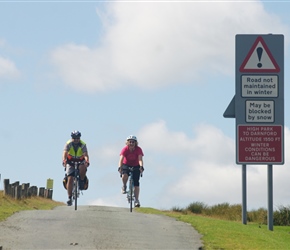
95 227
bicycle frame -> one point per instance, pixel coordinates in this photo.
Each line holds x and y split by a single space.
76 190
130 193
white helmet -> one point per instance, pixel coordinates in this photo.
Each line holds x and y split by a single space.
132 137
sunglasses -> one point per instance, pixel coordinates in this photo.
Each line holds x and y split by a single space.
131 141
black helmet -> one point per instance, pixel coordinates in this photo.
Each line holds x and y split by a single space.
76 134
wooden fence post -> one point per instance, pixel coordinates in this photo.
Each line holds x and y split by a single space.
18 192
6 187
25 187
24 190
32 191
41 192
14 189
48 193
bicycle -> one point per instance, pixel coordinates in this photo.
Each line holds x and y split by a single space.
130 193
76 177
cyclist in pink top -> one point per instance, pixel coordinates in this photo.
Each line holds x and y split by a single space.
131 156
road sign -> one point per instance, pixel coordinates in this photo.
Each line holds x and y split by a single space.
260 144
259 98
258 106
259 59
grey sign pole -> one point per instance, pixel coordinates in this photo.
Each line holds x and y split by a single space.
244 194
270 197
258 107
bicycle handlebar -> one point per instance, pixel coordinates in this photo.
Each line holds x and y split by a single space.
73 164
131 169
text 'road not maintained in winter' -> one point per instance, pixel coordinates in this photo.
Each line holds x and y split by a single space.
259 86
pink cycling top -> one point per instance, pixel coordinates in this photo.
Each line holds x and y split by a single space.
131 157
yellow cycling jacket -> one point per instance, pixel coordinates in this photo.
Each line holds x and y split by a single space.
75 152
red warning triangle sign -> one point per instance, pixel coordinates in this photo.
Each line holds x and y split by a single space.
259 59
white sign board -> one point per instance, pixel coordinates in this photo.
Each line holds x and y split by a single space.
259 86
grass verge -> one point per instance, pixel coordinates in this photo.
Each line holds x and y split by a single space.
223 234
9 206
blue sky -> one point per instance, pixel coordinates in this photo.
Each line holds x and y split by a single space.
163 71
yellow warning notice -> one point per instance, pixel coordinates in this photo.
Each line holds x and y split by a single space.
49 184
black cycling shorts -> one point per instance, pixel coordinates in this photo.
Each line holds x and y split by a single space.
136 173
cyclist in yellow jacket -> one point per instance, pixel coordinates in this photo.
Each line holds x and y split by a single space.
75 150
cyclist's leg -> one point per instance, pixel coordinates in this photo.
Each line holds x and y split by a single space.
70 173
82 174
125 175
69 185
82 171
136 177
125 179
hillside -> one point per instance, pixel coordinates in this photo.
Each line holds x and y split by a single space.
9 206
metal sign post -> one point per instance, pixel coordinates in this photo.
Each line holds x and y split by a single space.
270 197
258 106
244 194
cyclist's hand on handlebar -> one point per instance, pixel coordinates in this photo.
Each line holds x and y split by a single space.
64 163
141 169
87 163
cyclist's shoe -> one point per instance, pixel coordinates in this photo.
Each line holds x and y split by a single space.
124 190
81 184
137 203
69 202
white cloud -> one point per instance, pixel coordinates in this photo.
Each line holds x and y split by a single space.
182 168
156 44
209 142
85 69
8 68
105 155
157 137
107 201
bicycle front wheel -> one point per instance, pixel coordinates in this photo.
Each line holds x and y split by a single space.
131 194
75 193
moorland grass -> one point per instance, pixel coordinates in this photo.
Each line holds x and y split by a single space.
228 234
9 206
